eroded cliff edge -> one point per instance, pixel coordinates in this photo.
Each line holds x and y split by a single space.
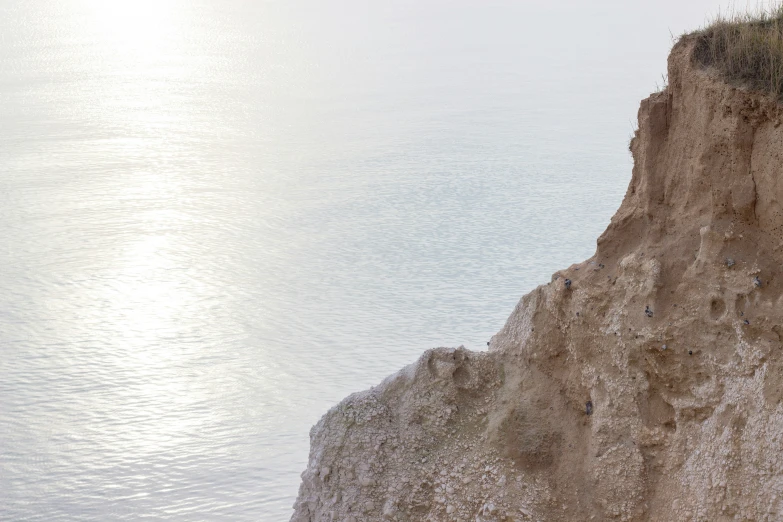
649 388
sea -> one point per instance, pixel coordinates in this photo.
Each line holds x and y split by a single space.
220 217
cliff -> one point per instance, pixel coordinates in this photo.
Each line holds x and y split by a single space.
642 384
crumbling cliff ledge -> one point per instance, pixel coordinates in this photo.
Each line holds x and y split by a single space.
642 384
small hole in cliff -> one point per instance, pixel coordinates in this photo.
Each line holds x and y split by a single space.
717 308
461 376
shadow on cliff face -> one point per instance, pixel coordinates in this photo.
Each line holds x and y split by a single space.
528 440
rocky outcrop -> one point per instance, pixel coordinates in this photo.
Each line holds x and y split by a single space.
642 384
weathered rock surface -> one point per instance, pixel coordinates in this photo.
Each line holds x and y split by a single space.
649 389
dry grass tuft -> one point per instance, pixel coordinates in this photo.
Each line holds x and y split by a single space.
746 49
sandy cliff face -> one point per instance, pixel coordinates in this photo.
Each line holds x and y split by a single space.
642 384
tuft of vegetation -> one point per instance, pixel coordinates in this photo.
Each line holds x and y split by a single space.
746 49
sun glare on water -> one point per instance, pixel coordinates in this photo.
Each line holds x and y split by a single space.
146 294
140 27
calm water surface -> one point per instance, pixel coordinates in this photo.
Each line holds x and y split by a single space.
218 218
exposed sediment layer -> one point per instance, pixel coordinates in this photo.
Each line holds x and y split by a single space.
649 388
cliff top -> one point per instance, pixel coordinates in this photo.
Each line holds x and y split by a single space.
745 49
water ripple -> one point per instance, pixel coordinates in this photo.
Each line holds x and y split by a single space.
219 218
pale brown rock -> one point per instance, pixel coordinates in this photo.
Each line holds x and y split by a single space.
692 432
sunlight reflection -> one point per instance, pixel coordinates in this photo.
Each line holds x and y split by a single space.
140 28
139 89
147 298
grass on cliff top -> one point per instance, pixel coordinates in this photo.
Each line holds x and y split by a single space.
746 49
